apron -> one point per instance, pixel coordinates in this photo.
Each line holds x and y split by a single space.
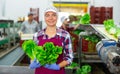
42 70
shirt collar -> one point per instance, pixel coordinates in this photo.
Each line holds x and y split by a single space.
31 22
42 32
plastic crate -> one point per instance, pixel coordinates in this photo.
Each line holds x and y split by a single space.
88 46
91 46
26 36
85 45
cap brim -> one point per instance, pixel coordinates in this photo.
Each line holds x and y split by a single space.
50 10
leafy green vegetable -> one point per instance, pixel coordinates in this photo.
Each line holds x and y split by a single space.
111 28
46 54
85 19
92 37
85 69
77 31
28 47
117 34
51 52
73 65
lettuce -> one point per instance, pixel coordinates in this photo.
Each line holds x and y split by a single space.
28 47
46 54
85 19
85 69
111 28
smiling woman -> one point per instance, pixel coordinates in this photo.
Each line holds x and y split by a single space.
58 37
51 17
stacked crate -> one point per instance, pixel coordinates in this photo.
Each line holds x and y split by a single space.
99 14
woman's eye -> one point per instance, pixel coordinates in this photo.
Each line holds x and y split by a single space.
50 15
46 15
54 15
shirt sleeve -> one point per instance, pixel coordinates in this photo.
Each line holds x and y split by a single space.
35 37
68 53
38 27
22 28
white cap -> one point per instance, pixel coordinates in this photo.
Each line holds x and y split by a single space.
51 8
63 18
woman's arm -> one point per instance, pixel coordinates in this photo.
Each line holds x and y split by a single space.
68 53
76 26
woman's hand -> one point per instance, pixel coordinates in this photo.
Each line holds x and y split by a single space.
52 66
34 64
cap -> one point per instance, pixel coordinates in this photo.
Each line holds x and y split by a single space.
51 8
30 13
63 18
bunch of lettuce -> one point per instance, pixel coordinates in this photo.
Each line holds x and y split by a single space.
85 19
85 69
28 47
46 54
110 26
73 65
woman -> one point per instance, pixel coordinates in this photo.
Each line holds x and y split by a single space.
59 37
66 21
65 25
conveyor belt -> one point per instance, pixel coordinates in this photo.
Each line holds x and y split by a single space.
12 57
15 70
100 29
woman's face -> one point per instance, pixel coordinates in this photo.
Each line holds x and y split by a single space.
51 18
66 21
